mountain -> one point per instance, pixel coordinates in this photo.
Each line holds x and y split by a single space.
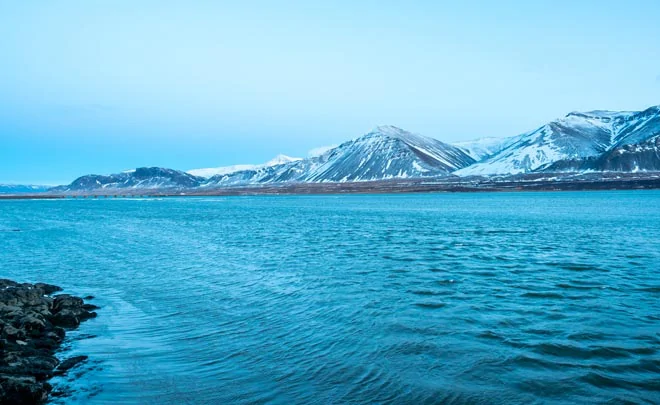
140 178
640 156
210 172
595 140
643 156
22 189
482 148
386 152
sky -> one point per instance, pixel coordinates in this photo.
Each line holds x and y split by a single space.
104 86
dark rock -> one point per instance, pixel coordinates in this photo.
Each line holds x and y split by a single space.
12 333
39 367
69 363
33 325
50 342
59 332
66 318
16 390
48 288
68 311
66 301
4 283
30 332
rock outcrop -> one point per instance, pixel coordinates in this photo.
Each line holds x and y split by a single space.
33 324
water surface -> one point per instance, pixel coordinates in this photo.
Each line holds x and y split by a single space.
434 298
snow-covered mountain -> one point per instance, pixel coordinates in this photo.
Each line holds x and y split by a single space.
482 148
386 152
591 141
140 178
578 141
22 188
215 171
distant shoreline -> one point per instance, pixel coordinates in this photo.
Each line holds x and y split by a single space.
624 181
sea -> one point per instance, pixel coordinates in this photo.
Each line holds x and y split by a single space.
438 298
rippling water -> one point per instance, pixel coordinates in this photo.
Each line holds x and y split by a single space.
435 298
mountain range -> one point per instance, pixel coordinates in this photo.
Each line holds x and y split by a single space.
594 141
22 188
215 171
386 152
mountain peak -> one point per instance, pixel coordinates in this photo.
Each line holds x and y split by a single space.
655 109
598 114
389 130
611 116
393 132
592 138
280 160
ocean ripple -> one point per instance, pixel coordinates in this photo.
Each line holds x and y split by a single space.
509 298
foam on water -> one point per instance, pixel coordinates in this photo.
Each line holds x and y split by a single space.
438 298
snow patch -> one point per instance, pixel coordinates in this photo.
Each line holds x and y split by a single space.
221 171
321 150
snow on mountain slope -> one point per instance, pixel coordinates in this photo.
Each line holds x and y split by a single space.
210 172
388 152
214 171
140 178
316 152
481 148
280 160
573 138
581 141
639 157
384 153
637 128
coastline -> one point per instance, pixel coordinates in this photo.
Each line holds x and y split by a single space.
583 182
33 324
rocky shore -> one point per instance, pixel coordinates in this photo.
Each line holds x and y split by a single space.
33 324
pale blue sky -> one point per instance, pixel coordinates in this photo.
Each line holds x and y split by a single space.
102 86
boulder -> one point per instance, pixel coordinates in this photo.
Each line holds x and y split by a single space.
69 363
16 390
48 288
